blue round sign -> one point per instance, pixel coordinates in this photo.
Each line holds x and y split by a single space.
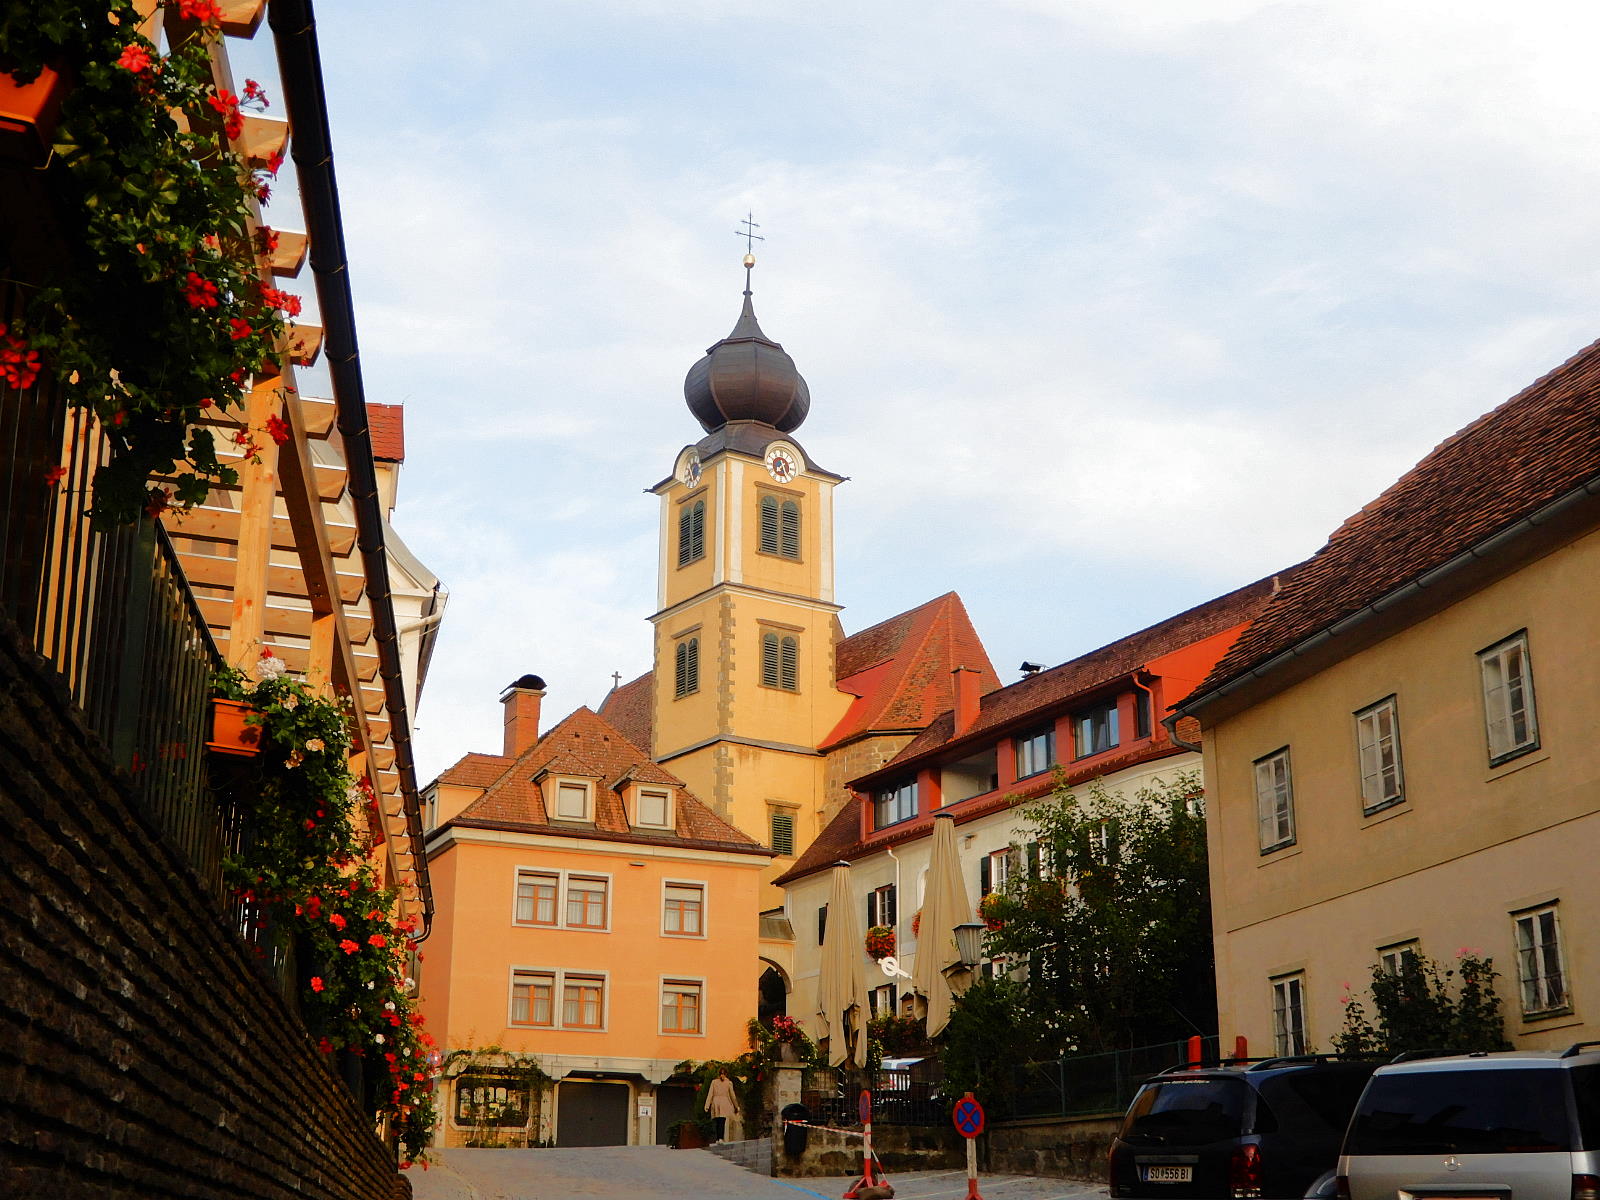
864 1107
968 1117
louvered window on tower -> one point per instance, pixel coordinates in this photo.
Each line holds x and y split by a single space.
769 524
686 667
782 831
780 662
780 527
691 533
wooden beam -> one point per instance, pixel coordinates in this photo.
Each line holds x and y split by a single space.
262 138
323 644
213 523
241 18
213 571
281 621
258 484
289 255
305 343
319 415
363 668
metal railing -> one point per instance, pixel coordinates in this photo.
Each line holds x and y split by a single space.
900 1096
1093 1083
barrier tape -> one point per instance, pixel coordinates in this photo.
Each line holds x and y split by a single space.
828 1129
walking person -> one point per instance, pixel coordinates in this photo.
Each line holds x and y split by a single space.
721 1103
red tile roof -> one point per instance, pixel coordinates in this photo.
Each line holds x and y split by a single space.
1541 444
900 669
476 770
584 743
631 709
1029 697
387 427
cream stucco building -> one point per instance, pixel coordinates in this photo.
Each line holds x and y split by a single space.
1400 752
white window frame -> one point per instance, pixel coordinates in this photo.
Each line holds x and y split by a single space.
705 891
552 797
668 805
1289 1034
699 984
563 878
1501 694
1378 755
1274 781
877 898
1046 735
878 997
1391 958
893 800
1543 985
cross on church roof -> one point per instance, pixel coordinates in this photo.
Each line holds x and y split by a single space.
616 680
749 234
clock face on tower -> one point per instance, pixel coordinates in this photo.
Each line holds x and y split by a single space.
781 464
691 470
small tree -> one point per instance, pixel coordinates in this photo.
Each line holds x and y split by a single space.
990 1031
1113 917
1416 1010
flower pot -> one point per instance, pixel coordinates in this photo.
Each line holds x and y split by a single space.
788 1052
28 115
230 733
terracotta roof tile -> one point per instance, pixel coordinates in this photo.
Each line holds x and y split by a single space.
476 770
585 743
631 709
1082 675
1532 449
900 669
387 427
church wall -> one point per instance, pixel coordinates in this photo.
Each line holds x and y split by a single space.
854 760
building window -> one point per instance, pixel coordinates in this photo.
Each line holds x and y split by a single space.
655 808
1513 726
780 527
1094 731
1141 713
1378 744
1393 960
680 1006
533 998
993 871
572 801
487 1100
1274 801
1289 1015
1540 972
894 805
881 906
586 902
1036 752
780 661
782 824
822 925
685 909
536 897
881 1001
691 532
686 667
583 1001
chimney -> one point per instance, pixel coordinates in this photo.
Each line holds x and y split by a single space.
966 690
522 700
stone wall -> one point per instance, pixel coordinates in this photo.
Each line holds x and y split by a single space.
1064 1147
898 1147
141 1053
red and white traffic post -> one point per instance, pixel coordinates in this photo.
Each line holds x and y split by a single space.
969 1122
868 1179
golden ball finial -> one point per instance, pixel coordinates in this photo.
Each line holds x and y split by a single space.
749 261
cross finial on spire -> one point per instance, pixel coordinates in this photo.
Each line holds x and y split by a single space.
751 237
616 680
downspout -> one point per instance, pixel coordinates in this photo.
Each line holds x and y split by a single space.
299 62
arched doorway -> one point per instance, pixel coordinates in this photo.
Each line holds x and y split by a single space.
772 993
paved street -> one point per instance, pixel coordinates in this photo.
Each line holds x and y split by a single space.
658 1173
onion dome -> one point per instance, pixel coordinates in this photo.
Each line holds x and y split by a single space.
747 377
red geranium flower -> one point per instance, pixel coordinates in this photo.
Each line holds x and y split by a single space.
378 940
266 239
53 476
207 12
240 328
135 59
348 946
316 983
199 292
337 921
278 428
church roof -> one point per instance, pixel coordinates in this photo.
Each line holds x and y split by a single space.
747 377
900 669
585 743
630 707
1537 447
386 426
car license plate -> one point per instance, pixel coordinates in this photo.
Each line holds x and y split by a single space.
1168 1174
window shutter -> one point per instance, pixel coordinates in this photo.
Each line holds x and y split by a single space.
680 669
985 875
691 667
769 524
822 925
791 530
783 833
1031 853
699 533
892 917
872 909
685 534
769 659
791 664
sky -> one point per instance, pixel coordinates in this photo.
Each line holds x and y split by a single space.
1106 307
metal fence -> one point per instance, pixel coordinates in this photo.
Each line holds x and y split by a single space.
1094 1083
900 1096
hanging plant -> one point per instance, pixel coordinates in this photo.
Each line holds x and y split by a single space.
916 923
880 942
990 909
164 315
306 861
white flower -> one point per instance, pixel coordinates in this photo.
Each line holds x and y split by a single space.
389 1004
270 667
410 983
406 1052
371 983
291 701
378 1037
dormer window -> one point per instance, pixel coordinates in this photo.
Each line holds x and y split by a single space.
567 797
1094 730
652 806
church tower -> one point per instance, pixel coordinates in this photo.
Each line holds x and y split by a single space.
745 627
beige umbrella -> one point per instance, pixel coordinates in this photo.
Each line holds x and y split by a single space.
944 906
840 988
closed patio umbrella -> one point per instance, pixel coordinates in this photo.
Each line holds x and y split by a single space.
840 988
944 906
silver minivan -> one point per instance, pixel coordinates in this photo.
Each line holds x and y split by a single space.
1515 1126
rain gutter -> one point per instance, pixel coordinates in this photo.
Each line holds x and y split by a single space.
311 146
1445 572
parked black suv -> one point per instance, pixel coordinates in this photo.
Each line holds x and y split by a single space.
1264 1130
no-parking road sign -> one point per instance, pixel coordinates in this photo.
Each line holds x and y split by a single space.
864 1107
968 1117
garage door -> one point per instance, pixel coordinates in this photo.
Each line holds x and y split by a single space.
591 1114
673 1104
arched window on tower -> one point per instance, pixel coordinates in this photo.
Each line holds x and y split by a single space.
691 533
780 662
686 667
780 527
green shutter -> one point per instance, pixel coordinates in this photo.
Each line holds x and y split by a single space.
769 525
790 534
